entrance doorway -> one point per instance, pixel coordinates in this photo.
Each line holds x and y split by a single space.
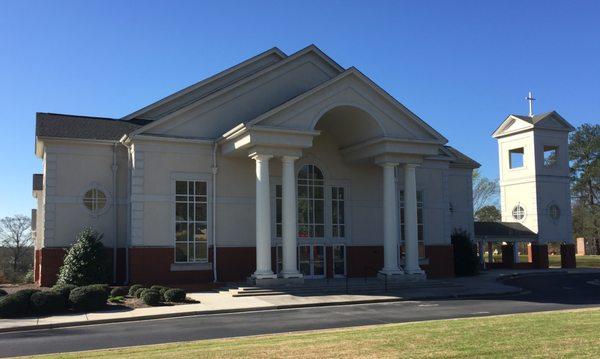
311 260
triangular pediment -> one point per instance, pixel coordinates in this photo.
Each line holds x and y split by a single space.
519 123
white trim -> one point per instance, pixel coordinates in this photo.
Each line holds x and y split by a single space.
206 81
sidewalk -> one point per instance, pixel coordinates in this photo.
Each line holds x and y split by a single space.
486 284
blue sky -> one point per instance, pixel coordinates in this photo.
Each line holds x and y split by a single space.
462 66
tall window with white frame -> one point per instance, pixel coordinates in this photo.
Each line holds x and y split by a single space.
191 243
338 223
311 202
419 221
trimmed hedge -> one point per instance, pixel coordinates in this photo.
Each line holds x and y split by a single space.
3 293
89 297
16 304
119 292
161 289
64 290
47 302
175 295
151 297
134 288
138 292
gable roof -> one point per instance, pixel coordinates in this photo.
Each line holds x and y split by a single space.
203 88
352 71
83 127
535 121
309 49
502 230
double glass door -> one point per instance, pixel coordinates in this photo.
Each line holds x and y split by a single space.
311 260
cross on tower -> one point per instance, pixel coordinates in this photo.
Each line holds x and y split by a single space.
530 99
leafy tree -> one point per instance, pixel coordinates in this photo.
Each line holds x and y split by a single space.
584 155
86 261
466 262
488 214
485 191
15 235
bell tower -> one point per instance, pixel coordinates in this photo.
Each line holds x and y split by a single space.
533 154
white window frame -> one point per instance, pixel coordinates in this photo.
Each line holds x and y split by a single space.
312 185
524 212
95 186
345 248
197 177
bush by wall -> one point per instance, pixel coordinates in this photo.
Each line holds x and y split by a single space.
88 297
64 290
16 304
466 262
119 292
175 295
86 261
47 302
134 288
151 297
138 292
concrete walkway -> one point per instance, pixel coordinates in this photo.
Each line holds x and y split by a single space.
485 284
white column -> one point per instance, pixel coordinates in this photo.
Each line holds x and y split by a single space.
411 238
290 267
390 221
263 218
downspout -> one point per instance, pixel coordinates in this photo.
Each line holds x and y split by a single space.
128 236
115 230
214 209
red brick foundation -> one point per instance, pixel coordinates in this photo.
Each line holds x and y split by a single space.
538 256
567 256
441 261
235 264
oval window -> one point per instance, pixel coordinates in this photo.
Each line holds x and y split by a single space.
554 211
518 212
94 200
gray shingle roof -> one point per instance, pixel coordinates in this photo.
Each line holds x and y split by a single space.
38 181
502 229
84 127
535 119
461 158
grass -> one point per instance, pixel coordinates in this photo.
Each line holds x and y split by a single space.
550 334
587 261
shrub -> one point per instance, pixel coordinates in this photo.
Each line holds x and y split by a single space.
466 262
119 292
116 299
47 302
86 261
151 297
88 297
3 293
133 288
175 295
28 277
103 287
16 304
161 290
64 290
138 292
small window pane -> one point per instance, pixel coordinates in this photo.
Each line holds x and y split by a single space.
181 212
200 188
181 252
201 212
181 187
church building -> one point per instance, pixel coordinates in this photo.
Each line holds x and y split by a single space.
281 168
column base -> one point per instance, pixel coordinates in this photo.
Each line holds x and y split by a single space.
389 272
295 274
264 275
416 271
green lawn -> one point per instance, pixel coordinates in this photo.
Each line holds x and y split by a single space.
550 334
554 260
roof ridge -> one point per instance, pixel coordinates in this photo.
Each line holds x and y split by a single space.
78 116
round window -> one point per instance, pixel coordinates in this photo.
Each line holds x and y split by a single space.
554 211
94 200
518 212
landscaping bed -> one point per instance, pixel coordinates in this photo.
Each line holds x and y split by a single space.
27 301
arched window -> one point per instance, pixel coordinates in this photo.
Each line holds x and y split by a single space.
311 202
94 200
518 212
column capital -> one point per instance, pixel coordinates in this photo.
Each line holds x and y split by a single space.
289 159
388 164
411 165
260 157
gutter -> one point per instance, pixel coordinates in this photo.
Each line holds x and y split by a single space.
123 141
